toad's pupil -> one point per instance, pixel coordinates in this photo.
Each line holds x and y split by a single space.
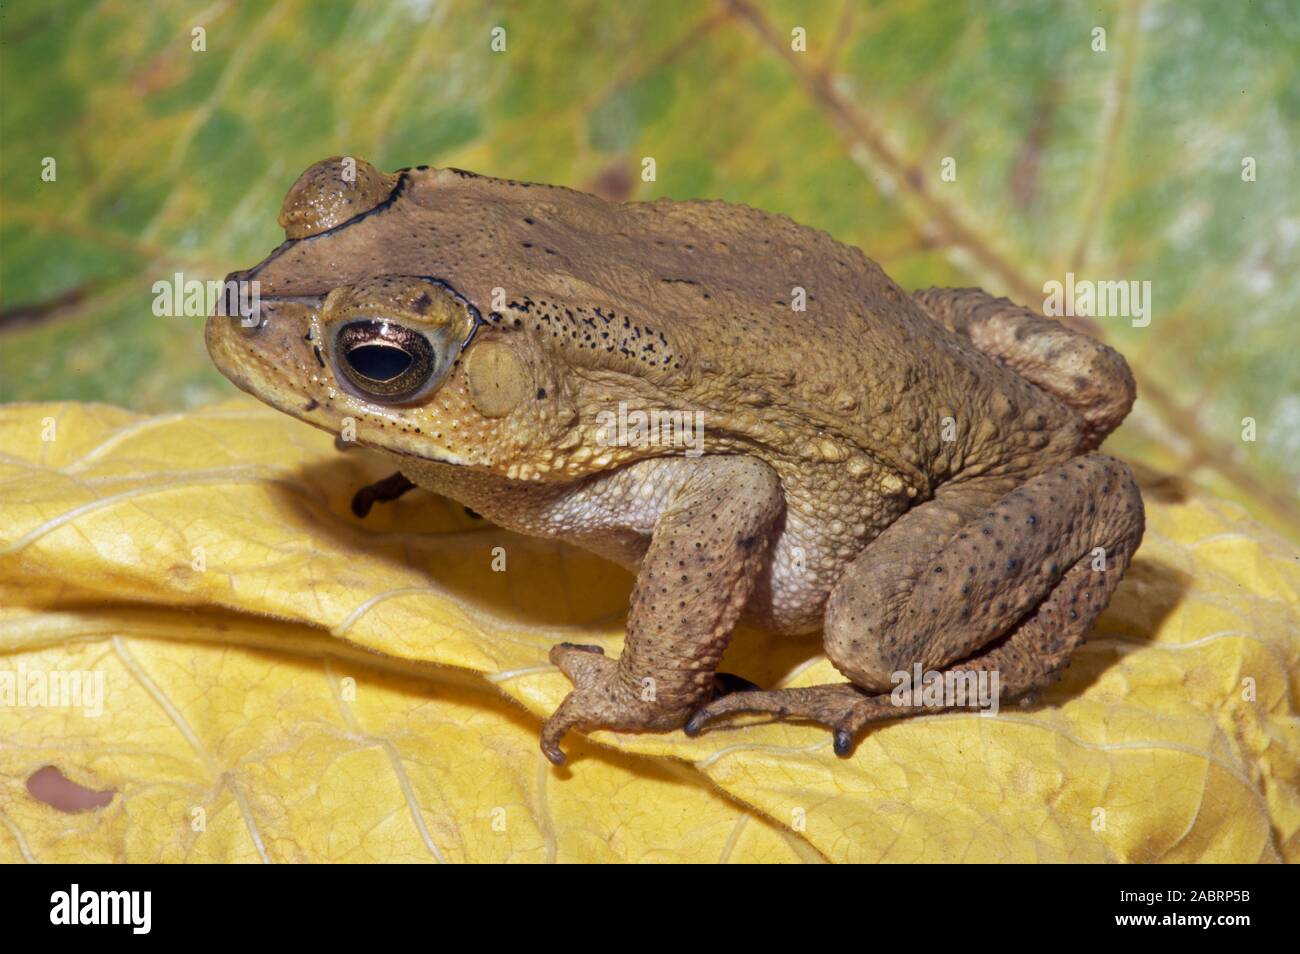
378 362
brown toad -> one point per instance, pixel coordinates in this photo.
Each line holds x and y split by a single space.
914 474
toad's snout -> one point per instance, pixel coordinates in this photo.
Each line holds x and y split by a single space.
252 336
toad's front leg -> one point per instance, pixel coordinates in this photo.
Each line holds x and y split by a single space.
705 554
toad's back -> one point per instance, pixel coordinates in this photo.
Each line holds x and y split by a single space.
796 344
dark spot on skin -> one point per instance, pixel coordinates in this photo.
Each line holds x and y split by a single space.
541 393
311 405
319 359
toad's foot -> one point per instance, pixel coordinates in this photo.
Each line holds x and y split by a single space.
600 700
842 708
707 549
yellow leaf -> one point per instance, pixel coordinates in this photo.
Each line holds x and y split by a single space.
284 682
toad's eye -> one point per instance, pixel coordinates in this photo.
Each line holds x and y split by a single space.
385 361
378 362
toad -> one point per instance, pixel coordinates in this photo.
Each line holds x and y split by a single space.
915 475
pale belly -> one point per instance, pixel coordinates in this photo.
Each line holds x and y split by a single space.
615 515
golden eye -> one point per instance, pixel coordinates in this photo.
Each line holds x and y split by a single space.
385 361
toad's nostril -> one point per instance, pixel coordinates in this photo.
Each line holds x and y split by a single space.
250 324
240 302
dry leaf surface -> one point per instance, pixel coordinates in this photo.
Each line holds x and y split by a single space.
283 682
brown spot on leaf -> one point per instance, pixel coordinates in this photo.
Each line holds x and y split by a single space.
55 789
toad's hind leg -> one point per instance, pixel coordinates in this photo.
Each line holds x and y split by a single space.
1079 371
977 579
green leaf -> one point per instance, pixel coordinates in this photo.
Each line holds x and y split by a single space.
1122 164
